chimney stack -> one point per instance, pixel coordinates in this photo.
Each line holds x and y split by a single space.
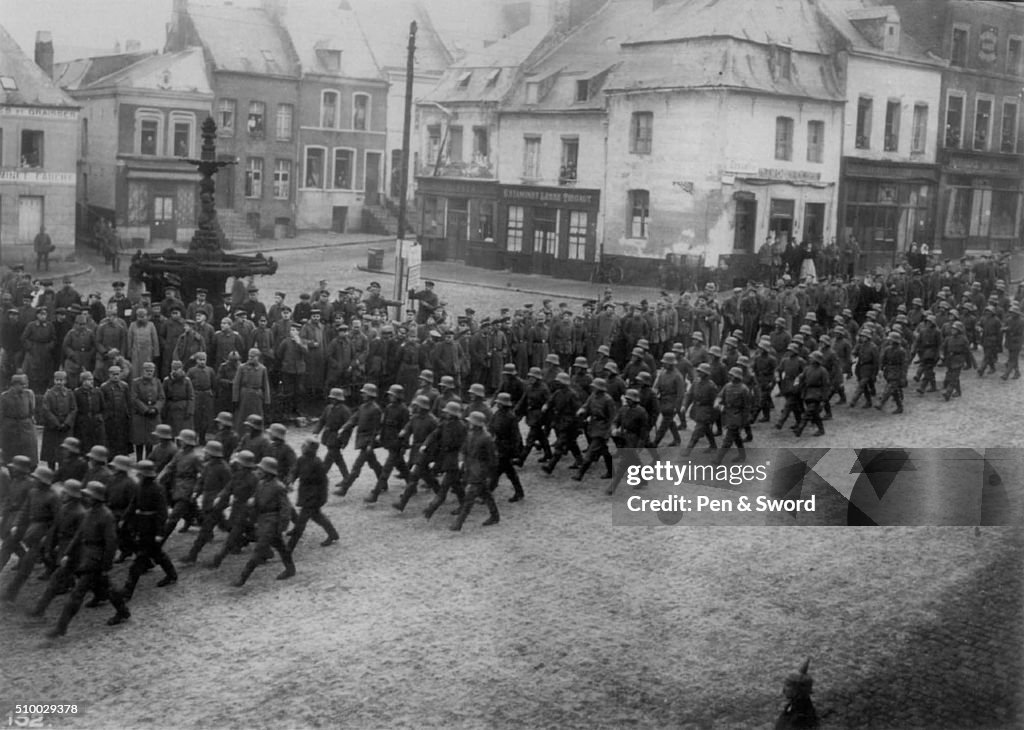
44 52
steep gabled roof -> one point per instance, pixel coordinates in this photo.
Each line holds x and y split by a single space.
245 40
385 26
33 86
81 72
320 27
179 71
849 17
794 23
486 75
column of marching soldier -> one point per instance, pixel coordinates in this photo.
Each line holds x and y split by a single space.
82 503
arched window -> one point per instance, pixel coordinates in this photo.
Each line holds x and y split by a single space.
149 132
361 111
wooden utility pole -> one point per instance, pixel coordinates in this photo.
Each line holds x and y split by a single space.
406 130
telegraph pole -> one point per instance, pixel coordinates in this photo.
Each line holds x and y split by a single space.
406 130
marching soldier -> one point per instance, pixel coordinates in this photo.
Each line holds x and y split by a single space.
366 422
815 387
451 435
182 474
894 370
508 442
1014 338
212 483
670 387
63 532
561 411
334 416
148 514
225 433
392 425
700 400
598 412
240 490
312 476
272 512
735 403
630 431
121 493
479 460
531 405
38 517
93 550
421 429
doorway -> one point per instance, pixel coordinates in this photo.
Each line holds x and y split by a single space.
545 239
339 214
163 218
30 217
780 220
746 220
814 223
371 187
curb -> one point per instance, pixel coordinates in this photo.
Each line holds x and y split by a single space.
534 292
308 246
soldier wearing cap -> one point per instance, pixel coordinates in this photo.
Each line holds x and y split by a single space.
597 413
815 388
251 389
291 355
451 436
38 515
213 481
181 477
560 413
394 419
335 415
428 300
37 342
179 399
479 460
312 495
57 411
420 434
78 348
91 555
148 514
147 399
893 360
272 512
17 423
1013 331
366 422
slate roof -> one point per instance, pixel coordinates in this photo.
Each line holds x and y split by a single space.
245 40
35 88
82 72
315 25
385 26
185 71
487 75
844 14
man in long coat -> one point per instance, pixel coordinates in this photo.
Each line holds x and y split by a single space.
143 343
250 393
17 425
147 399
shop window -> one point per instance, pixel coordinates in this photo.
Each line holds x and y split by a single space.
1008 135
639 213
481 146
958 50
982 123
1004 213
343 169
815 141
329 109
958 212
433 216
783 138
919 139
282 179
315 158
641 133
254 177
545 230
361 111
954 120
514 228
892 126
226 116
531 157
285 114
257 118
455 144
578 235
864 110
570 160
484 221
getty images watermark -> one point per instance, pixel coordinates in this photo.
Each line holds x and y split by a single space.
819 487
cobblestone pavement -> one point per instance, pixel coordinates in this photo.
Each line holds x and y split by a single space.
556 619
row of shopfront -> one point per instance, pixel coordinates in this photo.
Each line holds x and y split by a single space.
528 229
966 204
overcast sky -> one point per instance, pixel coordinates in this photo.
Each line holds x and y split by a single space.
90 27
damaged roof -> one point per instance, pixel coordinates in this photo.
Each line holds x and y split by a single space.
22 82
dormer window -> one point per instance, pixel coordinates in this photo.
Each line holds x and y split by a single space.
464 79
532 92
7 83
330 58
492 77
784 57
583 90
268 58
